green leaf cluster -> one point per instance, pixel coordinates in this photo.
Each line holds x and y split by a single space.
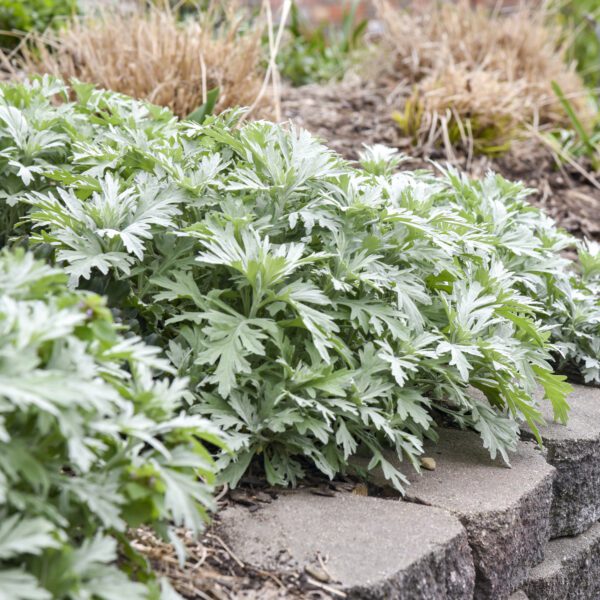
318 54
319 310
91 442
23 16
579 19
578 143
565 294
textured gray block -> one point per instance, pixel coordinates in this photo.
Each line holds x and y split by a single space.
574 450
570 571
506 511
377 549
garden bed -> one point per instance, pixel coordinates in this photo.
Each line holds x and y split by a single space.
237 364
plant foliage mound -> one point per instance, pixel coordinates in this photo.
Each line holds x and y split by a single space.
319 310
90 442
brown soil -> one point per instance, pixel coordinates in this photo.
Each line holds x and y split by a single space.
212 571
349 114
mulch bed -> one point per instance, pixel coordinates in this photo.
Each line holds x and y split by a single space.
211 570
349 114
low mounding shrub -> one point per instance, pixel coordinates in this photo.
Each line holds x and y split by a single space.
565 295
153 56
90 443
319 310
574 310
26 16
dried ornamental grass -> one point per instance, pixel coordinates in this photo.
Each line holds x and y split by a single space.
152 56
477 77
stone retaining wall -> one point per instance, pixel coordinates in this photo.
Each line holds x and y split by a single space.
470 528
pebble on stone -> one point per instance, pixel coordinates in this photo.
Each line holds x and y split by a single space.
374 549
428 463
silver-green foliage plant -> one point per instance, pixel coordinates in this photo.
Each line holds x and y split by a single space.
320 310
566 294
91 443
575 312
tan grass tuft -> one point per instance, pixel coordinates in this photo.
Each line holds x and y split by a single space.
151 55
477 78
